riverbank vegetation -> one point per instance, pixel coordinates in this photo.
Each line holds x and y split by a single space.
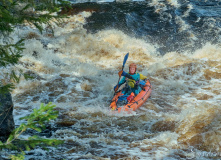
13 14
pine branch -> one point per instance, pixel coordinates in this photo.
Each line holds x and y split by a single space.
14 13
35 121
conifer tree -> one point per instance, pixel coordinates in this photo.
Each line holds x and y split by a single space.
14 13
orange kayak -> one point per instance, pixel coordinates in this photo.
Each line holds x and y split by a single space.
135 103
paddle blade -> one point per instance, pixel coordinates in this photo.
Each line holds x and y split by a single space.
125 59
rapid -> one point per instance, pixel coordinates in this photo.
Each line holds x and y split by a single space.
176 44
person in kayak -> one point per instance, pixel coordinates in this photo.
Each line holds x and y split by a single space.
133 80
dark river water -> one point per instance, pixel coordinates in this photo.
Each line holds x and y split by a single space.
173 25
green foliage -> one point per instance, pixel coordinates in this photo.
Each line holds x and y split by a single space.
10 53
35 121
14 13
18 157
6 88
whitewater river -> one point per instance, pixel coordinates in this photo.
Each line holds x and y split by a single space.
176 45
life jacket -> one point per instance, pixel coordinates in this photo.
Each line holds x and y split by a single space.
133 83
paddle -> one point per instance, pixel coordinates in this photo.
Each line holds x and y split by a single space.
120 73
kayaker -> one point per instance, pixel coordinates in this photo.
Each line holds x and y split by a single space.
133 82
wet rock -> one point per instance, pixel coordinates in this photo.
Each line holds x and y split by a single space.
7 124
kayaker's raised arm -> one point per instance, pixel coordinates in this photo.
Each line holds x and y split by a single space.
143 77
127 75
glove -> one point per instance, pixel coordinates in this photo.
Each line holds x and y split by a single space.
122 73
116 86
